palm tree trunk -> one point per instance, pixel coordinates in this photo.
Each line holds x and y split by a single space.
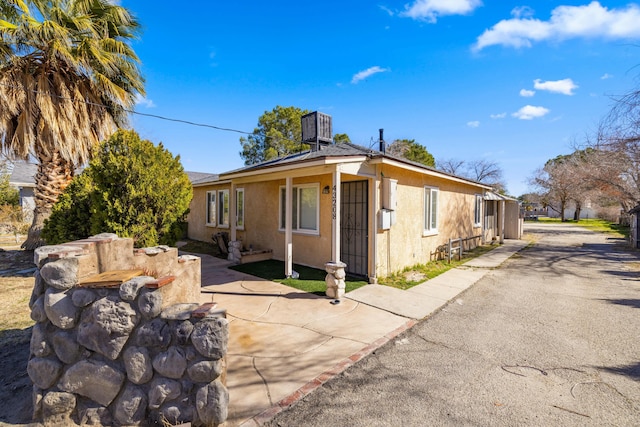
54 174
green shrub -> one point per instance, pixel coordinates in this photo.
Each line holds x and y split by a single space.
71 215
8 195
133 188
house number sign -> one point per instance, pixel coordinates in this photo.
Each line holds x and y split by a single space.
334 200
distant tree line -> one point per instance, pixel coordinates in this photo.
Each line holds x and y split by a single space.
604 171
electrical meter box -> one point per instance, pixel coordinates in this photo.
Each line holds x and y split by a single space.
389 193
384 220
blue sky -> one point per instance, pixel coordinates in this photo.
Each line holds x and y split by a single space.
514 82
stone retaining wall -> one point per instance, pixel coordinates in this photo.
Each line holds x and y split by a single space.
134 351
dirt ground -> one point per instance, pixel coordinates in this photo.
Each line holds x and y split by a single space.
16 283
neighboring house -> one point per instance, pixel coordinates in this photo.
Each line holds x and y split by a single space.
23 179
586 210
375 212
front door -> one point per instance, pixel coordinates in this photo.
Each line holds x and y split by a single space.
354 227
490 229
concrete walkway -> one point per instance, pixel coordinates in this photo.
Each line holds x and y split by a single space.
284 343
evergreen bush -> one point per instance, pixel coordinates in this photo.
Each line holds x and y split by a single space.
132 188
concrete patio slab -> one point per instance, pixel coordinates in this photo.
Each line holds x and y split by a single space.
363 324
283 343
393 300
259 339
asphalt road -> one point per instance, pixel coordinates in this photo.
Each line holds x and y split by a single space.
551 338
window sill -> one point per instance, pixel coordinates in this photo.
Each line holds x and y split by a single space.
302 232
429 233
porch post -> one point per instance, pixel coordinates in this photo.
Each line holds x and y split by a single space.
232 213
335 215
288 225
503 213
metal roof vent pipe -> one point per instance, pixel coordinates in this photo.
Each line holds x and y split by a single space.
383 145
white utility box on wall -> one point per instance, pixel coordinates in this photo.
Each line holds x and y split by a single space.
389 193
384 220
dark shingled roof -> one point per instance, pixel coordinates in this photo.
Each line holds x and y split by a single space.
333 150
198 177
345 149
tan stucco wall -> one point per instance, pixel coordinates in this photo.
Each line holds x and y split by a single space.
198 229
261 219
404 244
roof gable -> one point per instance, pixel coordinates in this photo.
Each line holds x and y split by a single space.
341 150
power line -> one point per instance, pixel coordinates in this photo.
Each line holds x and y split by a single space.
156 116
187 122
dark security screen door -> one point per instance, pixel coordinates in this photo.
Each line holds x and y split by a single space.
354 227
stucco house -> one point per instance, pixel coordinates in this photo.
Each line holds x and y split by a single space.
341 202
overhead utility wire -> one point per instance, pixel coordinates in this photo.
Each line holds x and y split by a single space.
134 112
155 116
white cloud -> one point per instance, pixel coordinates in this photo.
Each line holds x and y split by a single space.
530 112
367 73
522 12
564 86
473 124
430 10
566 22
527 93
386 9
141 100
498 116
606 76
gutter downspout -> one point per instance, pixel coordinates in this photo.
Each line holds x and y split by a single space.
288 221
375 197
233 215
502 220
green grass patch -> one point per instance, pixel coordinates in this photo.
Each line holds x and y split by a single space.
595 224
311 279
412 276
603 226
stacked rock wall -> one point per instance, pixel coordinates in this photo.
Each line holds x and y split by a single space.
133 351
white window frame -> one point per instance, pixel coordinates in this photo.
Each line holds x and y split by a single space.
211 199
223 215
430 218
240 208
478 211
296 207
